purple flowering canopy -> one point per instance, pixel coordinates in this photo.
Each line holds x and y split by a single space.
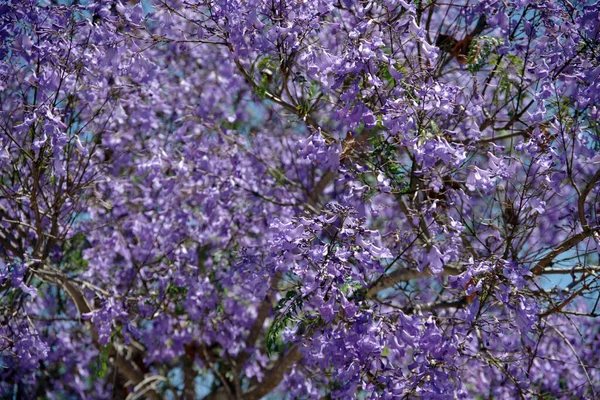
307 199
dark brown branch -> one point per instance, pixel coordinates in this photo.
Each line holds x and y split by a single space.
576 270
404 275
581 201
189 375
559 307
128 368
561 248
258 325
274 376
458 303
317 191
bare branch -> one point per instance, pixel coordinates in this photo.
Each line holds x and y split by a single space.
581 201
575 270
561 248
127 367
404 275
274 376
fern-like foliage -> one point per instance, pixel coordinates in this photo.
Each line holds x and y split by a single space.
480 50
287 311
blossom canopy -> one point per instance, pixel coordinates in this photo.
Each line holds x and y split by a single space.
304 199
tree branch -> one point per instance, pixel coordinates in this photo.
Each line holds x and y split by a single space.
561 248
258 325
274 376
127 367
581 201
575 270
404 275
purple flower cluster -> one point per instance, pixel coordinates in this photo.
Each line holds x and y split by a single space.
235 199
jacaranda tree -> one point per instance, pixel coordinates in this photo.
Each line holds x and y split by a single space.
234 199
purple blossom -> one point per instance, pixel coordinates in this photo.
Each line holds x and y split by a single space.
310 198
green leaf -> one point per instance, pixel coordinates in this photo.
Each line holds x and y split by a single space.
293 302
385 352
176 290
101 367
480 50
